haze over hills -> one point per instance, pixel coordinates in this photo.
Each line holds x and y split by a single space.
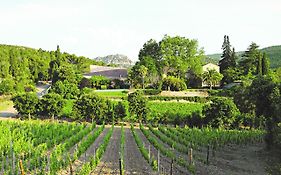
273 52
117 59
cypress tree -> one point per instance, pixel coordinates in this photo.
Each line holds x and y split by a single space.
265 64
259 64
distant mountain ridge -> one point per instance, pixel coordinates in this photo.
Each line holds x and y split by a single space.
273 52
117 59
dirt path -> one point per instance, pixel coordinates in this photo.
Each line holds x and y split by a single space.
232 159
87 155
134 161
109 163
239 159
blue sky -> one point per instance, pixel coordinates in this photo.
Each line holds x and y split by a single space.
101 27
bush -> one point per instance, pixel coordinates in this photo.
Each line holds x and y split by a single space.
173 84
221 112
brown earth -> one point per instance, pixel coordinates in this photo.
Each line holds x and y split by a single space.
109 163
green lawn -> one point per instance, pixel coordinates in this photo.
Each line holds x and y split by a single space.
113 93
5 104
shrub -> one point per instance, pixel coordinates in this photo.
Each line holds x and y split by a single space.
221 112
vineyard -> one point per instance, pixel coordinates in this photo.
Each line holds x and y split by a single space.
42 147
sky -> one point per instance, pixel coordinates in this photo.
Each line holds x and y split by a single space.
95 28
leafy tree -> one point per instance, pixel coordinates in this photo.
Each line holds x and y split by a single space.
266 96
26 104
180 54
7 86
90 107
120 110
222 112
51 105
68 73
65 89
137 74
138 105
173 83
212 77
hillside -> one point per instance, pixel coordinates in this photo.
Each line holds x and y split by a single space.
25 64
273 52
117 59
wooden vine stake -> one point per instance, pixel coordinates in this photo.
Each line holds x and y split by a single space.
21 168
190 156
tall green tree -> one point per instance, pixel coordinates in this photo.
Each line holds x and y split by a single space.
179 55
228 56
138 105
265 94
249 60
265 64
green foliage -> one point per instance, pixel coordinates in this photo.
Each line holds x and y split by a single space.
273 52
137 75
66 89
212 77
173 56
37 65
66 73
90 107
138 105
143 150
266 96
173 83
221 112
99 81
26 104
7 86
51 105
120 111
228 58
180 54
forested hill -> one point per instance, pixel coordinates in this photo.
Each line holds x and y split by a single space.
273 52
23 64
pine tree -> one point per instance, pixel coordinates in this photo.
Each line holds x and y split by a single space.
228 57
265 64
250 59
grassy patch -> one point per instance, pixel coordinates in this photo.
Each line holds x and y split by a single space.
113 93
5 104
